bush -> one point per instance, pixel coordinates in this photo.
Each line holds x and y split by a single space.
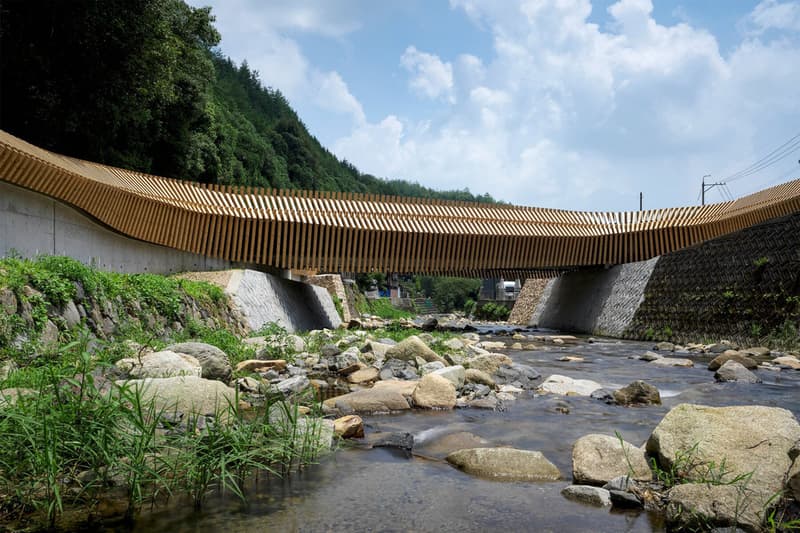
493 311
453 293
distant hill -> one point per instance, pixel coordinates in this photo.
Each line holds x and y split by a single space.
138 84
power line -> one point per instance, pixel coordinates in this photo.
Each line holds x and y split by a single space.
782 151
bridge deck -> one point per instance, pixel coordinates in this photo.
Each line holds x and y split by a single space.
348 232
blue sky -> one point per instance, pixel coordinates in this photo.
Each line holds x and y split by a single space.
554 103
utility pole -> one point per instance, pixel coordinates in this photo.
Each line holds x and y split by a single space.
707 187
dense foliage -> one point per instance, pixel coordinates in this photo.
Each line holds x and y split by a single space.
137 84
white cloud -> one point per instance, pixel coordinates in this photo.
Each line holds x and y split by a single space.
771 14
568 114
258 30
431 77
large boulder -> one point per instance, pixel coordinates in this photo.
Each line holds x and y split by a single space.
488 362
637 393
186 394
558 384
163 364
700 506
454 374
734 371
374 400
752 441
411 348
505 464
597 459
398 369
406 388
349 427
435 392
732 355
214 361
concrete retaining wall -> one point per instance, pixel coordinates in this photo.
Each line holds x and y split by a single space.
263 298
32 224
599 301
743 287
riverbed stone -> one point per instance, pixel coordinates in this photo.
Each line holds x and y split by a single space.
163 364
186 394
473 375
672 361
293 385
8 301
346 362
732 355
505 464
214 362
261 365
491 345
596 459
637 393
406 388
699 505
443 445
455 374
789 361
454 344
11 395
664 347
427 368
488 362
567 386
398 369
411 348
734 371
596 496
349 427
516 373
756 351
435 392
650 356
365 375
377 348
752 440
374 400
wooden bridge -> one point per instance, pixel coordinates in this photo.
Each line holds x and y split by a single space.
347 232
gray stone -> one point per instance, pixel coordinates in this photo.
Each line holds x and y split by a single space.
734 371
454 344
603 395
411 348
163 364
293 385
638 393
699 505
48 338
70 314
650 356
488 362
434 392
588 495
215 362
664 347
186 394
429 324
731 355
526 376
347 362
596 459
505 464
397 369
330 350
672 361
624 500
753 441
427 368
623 483
557 384
401 441
377 348
455 374
374 400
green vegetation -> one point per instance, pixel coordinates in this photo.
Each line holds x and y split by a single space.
383 308
138 85
687 467
493 311
75 441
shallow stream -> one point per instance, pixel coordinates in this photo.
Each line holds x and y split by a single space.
381 489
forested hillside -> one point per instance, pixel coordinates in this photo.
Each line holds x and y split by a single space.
139 84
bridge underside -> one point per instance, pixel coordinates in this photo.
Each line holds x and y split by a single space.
347 232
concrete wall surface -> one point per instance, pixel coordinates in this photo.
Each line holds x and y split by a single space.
263 298
32 224
599 301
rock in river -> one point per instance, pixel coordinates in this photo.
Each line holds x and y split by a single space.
435 392
373 400
732 355
638 393
505 464
411 348
734 371
589 495
557 384
596 459
753 441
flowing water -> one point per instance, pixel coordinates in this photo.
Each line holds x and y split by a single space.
357 489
